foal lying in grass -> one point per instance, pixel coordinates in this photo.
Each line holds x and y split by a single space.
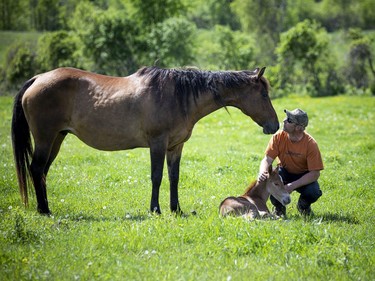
253 203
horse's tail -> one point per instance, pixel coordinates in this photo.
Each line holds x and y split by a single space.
21 141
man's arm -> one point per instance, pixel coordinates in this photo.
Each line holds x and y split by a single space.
304 180
263 168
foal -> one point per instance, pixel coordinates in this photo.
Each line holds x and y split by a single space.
253 203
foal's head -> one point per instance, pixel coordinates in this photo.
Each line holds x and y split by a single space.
276 187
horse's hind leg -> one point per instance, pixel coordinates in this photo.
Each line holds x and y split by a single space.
38 165
54 151
43 157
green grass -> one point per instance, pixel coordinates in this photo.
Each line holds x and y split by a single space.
101 228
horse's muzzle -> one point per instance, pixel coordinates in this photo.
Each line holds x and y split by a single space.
286 200
270 128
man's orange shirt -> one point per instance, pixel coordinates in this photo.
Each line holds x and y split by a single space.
295 157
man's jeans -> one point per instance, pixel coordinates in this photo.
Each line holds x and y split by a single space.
309 193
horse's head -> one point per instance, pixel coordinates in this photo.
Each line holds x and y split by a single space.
254 101
276 188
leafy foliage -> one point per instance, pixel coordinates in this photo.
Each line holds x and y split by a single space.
214 12
235 49
360 58
116 37
109 40
300 50
20 64
57 49
151 12
46 14
170 43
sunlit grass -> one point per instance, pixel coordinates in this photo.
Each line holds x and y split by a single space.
101 228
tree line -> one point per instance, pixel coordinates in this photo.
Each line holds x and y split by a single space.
295 39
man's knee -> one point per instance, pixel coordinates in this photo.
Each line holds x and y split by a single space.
311 192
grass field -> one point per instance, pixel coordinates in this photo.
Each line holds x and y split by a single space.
101 228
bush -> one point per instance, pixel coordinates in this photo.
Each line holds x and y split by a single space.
305 57
360 60
171 43
57 49
223 48
20 65
111 42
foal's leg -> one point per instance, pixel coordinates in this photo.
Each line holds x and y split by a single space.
157 153
173 162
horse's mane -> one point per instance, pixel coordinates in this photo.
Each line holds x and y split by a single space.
250 187
193 81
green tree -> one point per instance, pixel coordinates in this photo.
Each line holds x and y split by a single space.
338 14
171 43
366 12
45 14
13 15
360 59
266 19
57 49
303 56
20 65
66 13
151 12
236 50
207 14
112 43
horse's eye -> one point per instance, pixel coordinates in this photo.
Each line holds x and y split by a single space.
264 94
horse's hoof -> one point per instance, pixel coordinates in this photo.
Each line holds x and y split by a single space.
177 212
46 213
156 210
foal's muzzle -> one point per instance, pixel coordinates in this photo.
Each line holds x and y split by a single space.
286 200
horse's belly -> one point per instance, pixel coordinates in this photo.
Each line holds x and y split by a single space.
110 140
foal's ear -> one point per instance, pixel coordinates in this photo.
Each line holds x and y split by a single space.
261 72
273 171
270 169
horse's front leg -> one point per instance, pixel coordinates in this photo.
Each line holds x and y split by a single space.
173 162
157 153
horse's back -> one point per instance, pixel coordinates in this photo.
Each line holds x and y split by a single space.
237 206
101 110
56 87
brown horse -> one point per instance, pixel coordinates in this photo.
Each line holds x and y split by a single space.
155 108
253 203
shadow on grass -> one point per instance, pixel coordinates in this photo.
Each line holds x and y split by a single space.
101 218
333 217
136 217
327 217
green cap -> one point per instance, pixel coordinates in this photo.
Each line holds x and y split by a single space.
298 117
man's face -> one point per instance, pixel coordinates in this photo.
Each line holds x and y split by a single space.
289 126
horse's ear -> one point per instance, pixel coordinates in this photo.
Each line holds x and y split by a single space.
276 170
270 169
261 72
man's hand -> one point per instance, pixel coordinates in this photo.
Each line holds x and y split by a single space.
265 164
263 176
289 187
